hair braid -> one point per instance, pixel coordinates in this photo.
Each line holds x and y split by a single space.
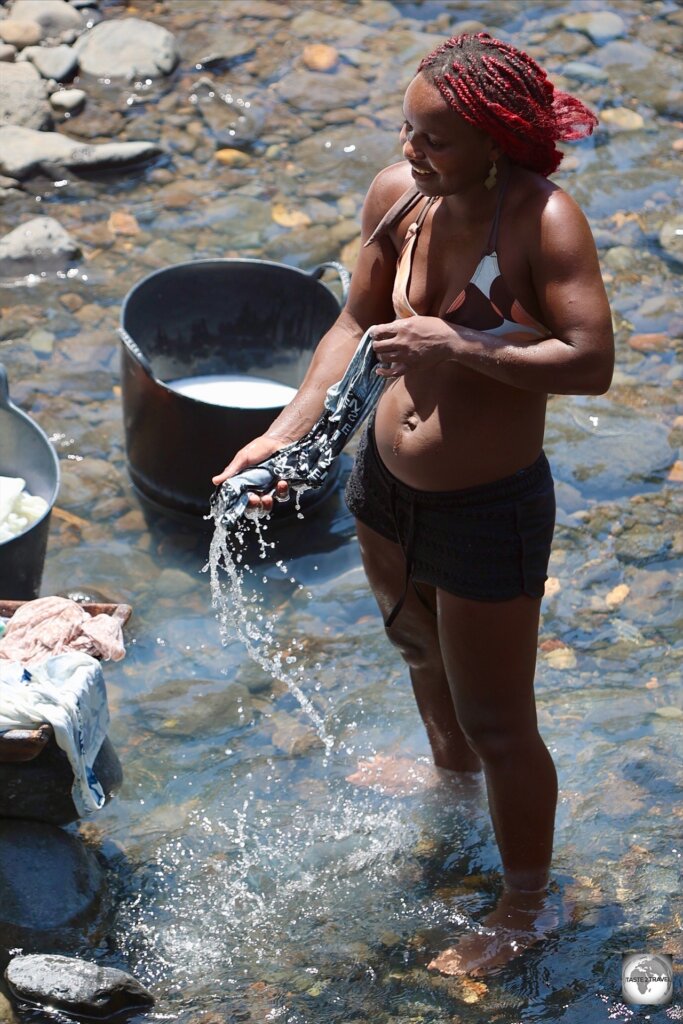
503 91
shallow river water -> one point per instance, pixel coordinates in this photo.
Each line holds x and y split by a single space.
248 880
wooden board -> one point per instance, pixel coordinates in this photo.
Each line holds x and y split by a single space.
123 611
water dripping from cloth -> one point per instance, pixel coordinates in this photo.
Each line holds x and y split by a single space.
243 617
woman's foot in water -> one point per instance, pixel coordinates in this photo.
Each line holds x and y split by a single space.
403 776
519 921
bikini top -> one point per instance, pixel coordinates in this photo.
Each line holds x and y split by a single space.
485 303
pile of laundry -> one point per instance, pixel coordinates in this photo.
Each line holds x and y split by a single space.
50 672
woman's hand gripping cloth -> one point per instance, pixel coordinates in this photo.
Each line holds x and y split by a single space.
305 463
68 691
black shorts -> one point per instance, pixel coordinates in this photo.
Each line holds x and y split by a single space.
488 543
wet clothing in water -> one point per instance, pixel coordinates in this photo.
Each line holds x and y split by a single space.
306 462
487 543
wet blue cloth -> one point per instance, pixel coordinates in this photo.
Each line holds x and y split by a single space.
306 462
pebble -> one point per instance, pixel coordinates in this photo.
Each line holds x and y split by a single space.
619 257
671 238
127 48
622 119
649 342
310 91
7 52
24 150
42 341
57 62
38 244
560 657
289 218
20 33
320 57
601 26
617 595
232 157
23 97
76 986
315 24
584 72
122 223
68 100
52 16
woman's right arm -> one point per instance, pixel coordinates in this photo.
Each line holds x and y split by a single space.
368 303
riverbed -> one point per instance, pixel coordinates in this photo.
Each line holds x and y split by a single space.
247 878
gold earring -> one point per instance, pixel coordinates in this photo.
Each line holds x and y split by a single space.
493 177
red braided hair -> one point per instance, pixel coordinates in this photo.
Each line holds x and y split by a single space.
503 91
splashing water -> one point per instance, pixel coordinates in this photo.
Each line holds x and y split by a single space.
240 616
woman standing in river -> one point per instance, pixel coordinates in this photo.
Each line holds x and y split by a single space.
480 280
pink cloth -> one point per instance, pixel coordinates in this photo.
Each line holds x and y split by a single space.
54 625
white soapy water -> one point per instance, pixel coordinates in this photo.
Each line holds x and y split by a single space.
241 617
234 391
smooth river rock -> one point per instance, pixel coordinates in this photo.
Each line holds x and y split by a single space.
53 16
68 100
58 62
49 880
20 33
38 244
601 26
24 151
77 986
127 48
23 97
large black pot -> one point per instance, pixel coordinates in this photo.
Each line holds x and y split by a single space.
25 452
236 316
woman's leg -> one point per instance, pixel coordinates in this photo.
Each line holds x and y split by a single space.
489 653
414 632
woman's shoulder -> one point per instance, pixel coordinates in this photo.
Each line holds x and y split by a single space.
390 190
534 199
388 186
539 211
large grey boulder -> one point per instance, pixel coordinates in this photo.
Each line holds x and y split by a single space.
76 986
38 244
24 151
49 881
127 48
53 16
23 97
58 62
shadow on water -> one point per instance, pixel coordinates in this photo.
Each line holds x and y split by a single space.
245 878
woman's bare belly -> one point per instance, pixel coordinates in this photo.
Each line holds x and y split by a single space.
450 427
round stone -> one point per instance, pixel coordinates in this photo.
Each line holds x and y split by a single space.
20 33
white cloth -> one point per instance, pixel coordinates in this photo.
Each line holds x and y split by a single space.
68 691
18 508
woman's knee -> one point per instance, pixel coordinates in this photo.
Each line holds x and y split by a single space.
498 741
417 644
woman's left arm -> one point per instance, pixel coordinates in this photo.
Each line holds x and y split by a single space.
578 358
